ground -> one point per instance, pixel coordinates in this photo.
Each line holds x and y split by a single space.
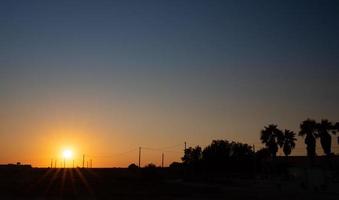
33 183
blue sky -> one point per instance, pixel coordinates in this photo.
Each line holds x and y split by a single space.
189 70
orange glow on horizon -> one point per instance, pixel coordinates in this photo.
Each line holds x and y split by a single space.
68 145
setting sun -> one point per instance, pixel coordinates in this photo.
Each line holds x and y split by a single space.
67 154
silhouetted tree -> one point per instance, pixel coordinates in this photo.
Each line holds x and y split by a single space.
241 150
133 166
336 126
175 165
262 154
272 137
324 128
192 156
151 165
289 142
222 154
308 128
242 156
217 153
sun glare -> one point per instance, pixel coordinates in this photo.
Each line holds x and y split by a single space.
67 154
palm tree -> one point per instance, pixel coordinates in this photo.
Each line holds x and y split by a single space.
336 126
308 129
289 142
272 137
324 127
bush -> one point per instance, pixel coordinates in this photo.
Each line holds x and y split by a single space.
133 166
151 166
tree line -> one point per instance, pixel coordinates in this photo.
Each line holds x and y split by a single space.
311 130
221 154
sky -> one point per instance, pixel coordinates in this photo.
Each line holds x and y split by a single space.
105 77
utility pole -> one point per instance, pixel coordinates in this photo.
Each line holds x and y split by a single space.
254 162
64 162
55 163
139 156
51 163
91 163
83 160
87 164
185 146
162 160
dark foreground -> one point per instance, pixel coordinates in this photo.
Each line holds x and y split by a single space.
33 183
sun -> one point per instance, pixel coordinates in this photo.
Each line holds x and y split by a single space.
67 154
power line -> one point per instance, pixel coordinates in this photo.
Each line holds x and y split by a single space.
163 148
114 154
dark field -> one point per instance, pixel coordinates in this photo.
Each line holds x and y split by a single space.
33 183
